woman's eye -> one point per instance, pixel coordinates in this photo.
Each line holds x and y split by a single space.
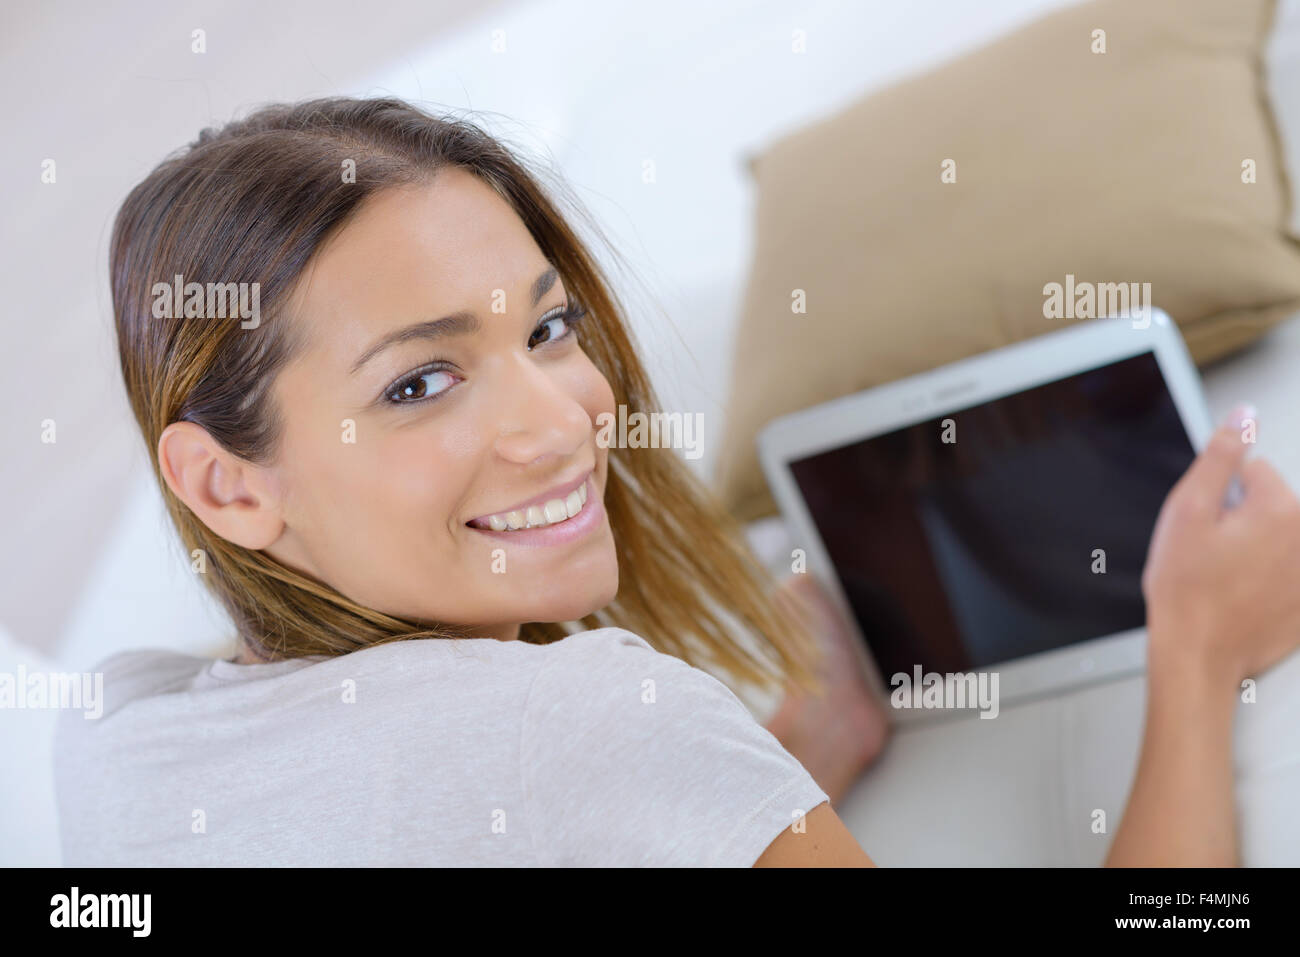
422 386
557 326
428 385
560 326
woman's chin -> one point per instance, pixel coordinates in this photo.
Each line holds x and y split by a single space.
574 607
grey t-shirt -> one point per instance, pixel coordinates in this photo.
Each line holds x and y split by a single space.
595 750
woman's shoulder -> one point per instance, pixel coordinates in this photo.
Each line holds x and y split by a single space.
151 678
589 654
633 756
602 641
608 669
143 672
113 684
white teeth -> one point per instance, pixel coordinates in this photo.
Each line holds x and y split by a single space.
535 516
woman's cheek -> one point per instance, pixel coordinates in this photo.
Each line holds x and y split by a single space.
462 440
416 467
597 394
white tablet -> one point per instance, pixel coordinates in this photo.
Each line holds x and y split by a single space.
988 521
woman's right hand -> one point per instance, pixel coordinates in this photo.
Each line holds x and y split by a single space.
1222 585
1222 588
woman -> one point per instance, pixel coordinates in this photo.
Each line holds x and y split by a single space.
467 625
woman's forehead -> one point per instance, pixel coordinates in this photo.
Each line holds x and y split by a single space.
414 253
453 232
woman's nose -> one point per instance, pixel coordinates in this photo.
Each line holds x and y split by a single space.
538 416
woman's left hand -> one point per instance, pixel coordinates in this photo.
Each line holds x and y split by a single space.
837 735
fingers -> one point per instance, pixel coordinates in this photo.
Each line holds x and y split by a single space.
1204 486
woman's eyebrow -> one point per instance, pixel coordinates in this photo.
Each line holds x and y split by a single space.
461 323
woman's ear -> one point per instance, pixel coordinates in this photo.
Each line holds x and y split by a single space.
235 499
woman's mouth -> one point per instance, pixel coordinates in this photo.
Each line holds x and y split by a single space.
551 512
554 521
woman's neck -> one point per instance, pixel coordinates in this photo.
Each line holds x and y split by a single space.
246 655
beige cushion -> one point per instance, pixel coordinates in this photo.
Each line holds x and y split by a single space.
1123 166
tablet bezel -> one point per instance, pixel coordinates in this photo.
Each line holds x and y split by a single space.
951 389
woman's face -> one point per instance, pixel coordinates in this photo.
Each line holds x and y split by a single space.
403 434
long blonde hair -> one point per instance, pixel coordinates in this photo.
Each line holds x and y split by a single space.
252 202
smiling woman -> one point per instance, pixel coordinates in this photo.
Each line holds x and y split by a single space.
483 411
397 473
318 545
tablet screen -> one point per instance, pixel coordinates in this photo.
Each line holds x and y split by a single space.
1003 529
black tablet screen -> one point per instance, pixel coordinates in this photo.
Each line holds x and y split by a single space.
1026 530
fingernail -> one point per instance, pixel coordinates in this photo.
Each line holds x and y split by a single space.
1240 414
